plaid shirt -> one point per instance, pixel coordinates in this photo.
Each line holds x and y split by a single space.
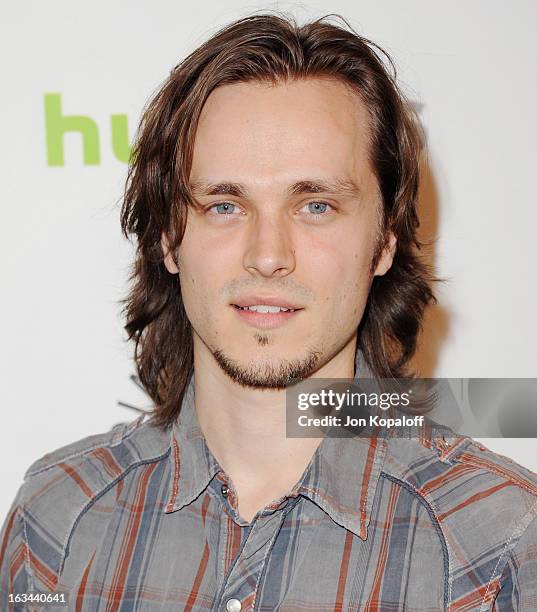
137 519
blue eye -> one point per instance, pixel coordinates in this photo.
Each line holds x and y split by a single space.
317 207
225 208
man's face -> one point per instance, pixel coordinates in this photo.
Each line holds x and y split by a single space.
288 217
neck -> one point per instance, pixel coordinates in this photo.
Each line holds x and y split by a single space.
245 428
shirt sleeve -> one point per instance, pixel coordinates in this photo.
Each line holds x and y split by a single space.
13 577
518 583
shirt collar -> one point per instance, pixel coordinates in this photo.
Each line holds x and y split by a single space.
341 477
192 464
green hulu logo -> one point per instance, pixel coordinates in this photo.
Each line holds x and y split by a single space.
57 124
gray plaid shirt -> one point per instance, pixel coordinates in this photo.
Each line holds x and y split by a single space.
142 519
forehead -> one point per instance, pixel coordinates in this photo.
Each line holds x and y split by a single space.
309 126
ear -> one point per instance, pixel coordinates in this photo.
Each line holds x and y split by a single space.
168 259
386 258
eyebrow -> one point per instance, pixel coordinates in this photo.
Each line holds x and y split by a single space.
337 186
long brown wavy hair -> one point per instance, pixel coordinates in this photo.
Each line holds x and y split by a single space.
271 48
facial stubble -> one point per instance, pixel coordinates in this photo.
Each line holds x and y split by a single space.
268 375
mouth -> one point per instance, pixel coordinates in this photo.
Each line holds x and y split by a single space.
265 308
265 315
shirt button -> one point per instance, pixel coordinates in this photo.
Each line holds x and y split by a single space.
233 605
224 490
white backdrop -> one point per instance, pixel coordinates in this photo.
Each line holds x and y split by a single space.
65 363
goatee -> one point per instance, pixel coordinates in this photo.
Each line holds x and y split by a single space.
268 375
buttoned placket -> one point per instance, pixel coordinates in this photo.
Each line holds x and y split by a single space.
236 593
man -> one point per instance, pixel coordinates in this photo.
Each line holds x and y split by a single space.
272 192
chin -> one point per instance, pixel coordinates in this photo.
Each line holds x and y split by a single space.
268 372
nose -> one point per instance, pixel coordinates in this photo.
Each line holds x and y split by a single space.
269 248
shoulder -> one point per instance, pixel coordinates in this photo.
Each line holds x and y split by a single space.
455 472
63 484
138 435
482 502
93 462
